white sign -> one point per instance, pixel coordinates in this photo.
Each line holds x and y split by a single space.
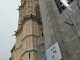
53 53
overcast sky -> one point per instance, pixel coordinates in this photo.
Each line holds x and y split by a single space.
8 24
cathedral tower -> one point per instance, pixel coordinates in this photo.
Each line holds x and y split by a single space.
29 29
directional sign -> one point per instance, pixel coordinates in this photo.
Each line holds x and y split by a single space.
53 53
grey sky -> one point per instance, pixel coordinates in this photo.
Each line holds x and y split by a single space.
8 24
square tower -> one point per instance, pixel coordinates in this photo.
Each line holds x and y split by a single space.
29 30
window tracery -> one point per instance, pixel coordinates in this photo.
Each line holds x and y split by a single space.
61 6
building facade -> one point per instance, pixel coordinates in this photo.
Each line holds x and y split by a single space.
62 25
36 33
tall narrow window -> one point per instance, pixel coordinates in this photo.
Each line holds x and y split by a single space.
29 55
38 12
42 34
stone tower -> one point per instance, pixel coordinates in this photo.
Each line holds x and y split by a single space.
29 30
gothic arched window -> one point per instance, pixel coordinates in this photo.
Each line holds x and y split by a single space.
61 6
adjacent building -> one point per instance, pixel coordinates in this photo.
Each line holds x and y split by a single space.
62 25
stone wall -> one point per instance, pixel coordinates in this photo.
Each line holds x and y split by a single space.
63 28
41 48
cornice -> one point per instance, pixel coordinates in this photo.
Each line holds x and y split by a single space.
26 17
18 47
13 48
28 51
